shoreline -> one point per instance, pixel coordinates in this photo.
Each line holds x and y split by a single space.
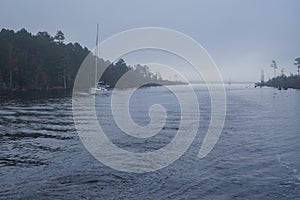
281 82
279 87
60 90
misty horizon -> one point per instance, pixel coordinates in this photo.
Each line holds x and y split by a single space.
241 37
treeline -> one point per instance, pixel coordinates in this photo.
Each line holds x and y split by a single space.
135 75
35 62
45 62
282 81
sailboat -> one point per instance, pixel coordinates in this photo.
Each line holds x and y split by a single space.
229 81
99 86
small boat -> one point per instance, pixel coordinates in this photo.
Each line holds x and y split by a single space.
100 87
229 81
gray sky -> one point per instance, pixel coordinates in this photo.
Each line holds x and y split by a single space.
241 36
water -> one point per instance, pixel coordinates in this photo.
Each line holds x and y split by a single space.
256 157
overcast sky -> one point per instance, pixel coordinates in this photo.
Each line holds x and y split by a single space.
242 37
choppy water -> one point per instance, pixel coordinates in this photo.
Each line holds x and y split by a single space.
257 156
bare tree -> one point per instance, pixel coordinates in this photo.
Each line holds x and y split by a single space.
297 63
274 65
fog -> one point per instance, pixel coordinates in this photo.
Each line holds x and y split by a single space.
242 37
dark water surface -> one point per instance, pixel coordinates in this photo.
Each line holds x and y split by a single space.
256 157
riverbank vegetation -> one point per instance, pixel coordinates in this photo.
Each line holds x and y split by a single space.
44 62
282 81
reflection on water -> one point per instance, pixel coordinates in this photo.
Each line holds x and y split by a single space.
257 156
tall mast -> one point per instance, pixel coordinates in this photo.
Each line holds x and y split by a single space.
96 55
262 78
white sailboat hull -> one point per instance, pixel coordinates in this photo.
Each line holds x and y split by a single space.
94 91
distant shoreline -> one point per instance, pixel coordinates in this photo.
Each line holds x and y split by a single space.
61 89
284 87
282 82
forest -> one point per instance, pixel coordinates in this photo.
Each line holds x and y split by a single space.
44 62
283 81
